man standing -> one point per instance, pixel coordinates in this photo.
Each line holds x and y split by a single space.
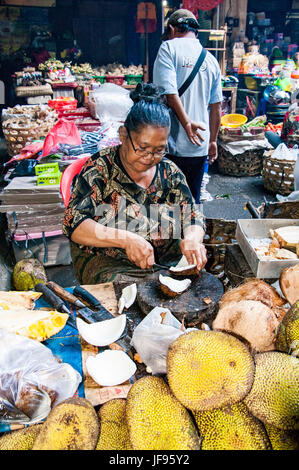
196 111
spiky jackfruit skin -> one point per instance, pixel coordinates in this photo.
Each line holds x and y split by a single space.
114 433
231 428
27 273
71 425
21 439
281 439
274 397
156 420
209 369
288 333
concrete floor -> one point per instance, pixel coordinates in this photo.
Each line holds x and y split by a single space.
239 190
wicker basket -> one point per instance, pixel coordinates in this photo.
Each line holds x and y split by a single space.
249 163
278 175
17 137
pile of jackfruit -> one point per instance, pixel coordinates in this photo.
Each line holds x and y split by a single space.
217 395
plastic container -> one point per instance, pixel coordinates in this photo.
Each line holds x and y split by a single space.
117 80
233 120
99 78
63 103
133 79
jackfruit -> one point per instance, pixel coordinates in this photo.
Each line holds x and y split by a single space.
231 428
27 273
156 420
209 369
21 439
275 391
282 439
71 425
288 333
114 433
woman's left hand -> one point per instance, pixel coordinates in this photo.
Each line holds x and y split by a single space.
194 252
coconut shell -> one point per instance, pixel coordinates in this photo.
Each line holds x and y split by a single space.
169 292
289 283
253 289
188 271
252 320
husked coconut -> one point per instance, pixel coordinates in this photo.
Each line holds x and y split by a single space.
128 297
173 287
183 268
253 289
110 368
252 320
289 283
288 237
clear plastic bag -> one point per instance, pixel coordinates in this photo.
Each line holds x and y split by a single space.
282 152
112 102
31 380
152 338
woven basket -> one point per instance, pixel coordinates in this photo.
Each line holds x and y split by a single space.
17 137
278 175
39 90
249 163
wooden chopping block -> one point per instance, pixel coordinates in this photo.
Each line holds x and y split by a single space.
190 305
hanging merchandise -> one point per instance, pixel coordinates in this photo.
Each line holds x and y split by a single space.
146 20
195 5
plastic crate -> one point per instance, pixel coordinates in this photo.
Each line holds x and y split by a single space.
62 104
99 78
48 179
133 79
117 80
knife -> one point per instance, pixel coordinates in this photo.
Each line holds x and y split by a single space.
89 315
10 413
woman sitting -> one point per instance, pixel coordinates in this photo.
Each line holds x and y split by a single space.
131 208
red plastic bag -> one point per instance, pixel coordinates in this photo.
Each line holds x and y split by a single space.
64 132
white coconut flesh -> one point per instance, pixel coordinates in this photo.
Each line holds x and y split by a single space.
287 236
128 297
174 285
102 333
110 368
182 266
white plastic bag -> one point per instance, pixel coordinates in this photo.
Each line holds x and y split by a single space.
282 152
151 338
112 102
31 379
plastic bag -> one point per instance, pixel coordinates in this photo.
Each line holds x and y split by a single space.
151 338
112 103
282 152
31 380
64 132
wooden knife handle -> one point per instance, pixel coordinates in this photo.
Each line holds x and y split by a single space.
64 294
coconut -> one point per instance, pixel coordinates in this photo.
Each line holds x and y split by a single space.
288 237
173 287
252 320
184 269
289 283
102 333
253 289
128 297
110 368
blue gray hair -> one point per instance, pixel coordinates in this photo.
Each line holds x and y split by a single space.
149 108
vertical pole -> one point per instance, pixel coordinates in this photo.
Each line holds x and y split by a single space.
146 44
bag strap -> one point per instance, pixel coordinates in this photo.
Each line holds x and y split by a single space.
192 75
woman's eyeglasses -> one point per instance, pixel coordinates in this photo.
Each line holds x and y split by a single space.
146 153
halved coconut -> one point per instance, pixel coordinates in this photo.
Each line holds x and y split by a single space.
289 283
184 269
102 333
128 297
173 287
252 320
110 368
253 289
288 237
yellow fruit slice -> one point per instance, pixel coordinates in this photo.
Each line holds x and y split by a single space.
35 324
21 299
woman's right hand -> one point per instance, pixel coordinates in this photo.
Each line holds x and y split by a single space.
139 251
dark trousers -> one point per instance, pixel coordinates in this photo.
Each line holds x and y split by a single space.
193 169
